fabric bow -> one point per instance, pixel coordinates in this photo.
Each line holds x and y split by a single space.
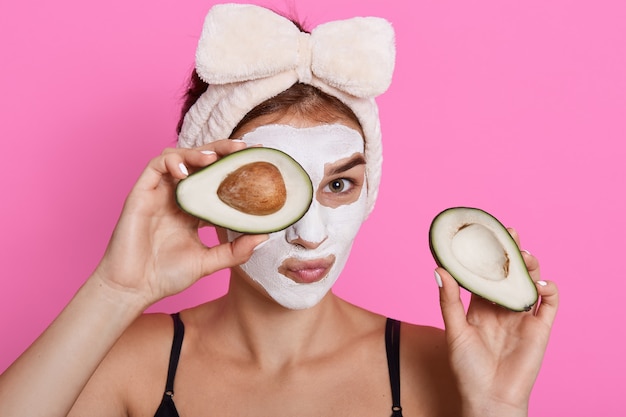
247 42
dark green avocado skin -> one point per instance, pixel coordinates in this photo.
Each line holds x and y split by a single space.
441 264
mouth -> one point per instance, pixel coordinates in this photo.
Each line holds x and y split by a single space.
306 272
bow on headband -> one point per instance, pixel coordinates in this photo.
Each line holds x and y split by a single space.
247 42
249 54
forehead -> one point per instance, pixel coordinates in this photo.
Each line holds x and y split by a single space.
313 147
295 119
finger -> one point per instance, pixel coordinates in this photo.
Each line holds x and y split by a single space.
452 308
532 265
514 235
224 147
173 163
549 303
180 162
478 305
230 254
200 157
221 146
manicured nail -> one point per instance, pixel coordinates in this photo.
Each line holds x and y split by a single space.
527 252
238 140
542 283
183 169
438 279
207 152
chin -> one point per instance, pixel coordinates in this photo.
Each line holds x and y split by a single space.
299 303
294 296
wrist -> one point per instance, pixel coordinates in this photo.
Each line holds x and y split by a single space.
108 295
122 287
490 408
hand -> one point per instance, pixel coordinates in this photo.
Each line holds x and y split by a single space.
155 250
495 353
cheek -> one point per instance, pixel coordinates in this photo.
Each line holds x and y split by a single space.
345 221
269 256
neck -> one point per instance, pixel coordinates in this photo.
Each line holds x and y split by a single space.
274 336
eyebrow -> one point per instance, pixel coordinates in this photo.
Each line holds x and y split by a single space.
351 163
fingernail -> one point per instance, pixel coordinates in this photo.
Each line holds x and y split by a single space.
542 283
207 152
527 252
438 279
183 169
238 140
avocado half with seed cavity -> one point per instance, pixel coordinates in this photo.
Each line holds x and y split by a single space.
481 255
255 190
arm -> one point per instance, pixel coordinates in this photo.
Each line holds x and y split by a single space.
496 354
154 252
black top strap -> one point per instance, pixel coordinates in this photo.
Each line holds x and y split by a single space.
177 343
392 344
167 407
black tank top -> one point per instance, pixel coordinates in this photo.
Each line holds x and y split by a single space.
392 344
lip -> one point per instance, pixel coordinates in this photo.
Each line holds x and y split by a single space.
306 272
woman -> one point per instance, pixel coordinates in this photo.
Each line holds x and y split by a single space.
279 342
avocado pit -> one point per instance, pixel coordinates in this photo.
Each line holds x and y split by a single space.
478 249
256 188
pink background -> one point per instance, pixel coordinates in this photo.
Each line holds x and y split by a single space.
515 107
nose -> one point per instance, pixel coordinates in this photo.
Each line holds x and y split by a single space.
310 231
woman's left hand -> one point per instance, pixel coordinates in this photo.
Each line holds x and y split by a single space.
495 353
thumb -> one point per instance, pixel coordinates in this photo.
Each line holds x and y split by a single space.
452 308
229 254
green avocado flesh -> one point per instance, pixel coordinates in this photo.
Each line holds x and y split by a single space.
480 254
255 190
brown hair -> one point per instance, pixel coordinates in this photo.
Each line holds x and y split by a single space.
301 99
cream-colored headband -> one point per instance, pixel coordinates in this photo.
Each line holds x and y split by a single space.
248 54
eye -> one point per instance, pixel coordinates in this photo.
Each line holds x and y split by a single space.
339 185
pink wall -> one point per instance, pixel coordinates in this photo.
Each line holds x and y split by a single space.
515 107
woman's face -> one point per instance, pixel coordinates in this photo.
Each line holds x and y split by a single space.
298 266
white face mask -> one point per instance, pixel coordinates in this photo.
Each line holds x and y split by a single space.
296 276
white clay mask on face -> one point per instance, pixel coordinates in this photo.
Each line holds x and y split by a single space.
299 265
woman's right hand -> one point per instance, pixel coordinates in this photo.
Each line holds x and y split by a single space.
155 250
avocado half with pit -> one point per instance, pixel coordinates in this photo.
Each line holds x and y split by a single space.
481 255
255 190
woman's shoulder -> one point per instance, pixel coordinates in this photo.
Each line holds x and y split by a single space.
424 348
141 351
420 344
424 338
425 369
426 378
147 333
144 346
